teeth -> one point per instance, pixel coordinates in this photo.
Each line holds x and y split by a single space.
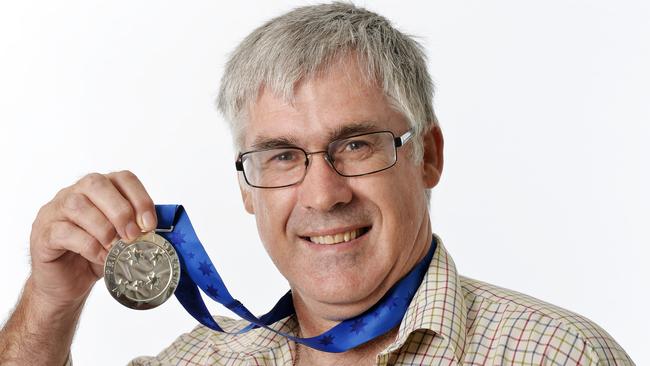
335 239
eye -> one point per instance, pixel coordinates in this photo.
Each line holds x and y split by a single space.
355 145
283 156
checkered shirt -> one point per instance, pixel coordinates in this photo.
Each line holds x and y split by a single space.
452 320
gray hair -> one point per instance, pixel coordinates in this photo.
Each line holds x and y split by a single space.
309 39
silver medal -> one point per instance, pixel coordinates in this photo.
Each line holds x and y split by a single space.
142 274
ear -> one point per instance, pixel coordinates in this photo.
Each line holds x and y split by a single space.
432 159
246 198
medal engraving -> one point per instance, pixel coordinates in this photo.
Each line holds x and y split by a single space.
142 274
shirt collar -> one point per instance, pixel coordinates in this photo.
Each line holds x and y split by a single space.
438 305
253 342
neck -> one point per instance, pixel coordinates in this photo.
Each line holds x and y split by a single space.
359 356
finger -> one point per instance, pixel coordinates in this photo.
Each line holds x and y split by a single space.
98 269
131 188
80 210
103 194
64 235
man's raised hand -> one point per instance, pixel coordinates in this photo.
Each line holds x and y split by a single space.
72 233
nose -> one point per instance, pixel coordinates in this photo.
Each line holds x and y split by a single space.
323 188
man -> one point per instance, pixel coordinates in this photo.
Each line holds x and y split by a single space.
331 111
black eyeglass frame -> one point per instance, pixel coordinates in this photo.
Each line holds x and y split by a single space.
398 142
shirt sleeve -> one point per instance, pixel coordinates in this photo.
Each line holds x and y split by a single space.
597 347
605 351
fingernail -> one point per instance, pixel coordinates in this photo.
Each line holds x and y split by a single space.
132 230
148 221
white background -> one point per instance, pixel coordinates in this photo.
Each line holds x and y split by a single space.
544 107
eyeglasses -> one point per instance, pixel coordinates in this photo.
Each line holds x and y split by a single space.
350 157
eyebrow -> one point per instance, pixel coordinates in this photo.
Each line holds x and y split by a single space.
263 143
352 129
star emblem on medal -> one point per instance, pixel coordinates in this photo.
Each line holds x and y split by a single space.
155 256
136 285
153 280
120 286
133 255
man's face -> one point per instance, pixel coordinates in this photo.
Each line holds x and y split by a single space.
386 209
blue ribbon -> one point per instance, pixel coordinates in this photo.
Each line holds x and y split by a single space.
198 272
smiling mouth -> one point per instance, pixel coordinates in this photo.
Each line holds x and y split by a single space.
337 238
